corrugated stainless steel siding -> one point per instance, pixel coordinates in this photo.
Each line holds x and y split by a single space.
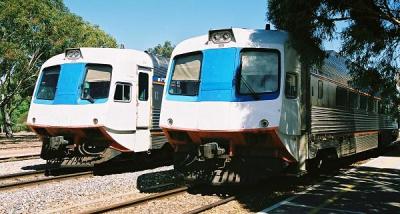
157 142
387 122
329 120
366 142
155 118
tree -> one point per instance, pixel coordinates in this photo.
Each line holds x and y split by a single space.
164 50
31 31
371 36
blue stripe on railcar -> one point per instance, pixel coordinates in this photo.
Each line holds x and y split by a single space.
69 87
218 79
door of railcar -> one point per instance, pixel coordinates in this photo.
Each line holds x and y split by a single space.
143 99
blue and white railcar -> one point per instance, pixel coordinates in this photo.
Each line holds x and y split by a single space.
92 104
237 106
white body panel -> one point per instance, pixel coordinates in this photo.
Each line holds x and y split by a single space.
219 115
119 116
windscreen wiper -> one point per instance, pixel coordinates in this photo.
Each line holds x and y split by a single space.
252 92
90 99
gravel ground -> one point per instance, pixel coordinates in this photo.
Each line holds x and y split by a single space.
68 193
174 204
21 166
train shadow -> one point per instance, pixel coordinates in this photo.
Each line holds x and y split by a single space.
336 186
344 186
130 165
36 167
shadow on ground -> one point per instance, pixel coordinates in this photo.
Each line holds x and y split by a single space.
344 188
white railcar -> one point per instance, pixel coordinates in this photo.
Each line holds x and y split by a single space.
92 104
237 103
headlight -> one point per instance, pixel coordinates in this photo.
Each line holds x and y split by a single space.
73 54
221 36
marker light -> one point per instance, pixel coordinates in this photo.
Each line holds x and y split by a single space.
264 123
73 54
221 36
170 121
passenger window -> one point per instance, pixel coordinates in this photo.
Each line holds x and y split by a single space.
353 100
122 92
259 72
341 97
157 95
143 94
97 82
320 89
371 104
291 86
48 83
363 102
312 91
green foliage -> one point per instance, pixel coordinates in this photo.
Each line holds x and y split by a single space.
31 31
371 36
164 50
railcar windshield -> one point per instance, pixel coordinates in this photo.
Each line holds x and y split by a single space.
48 83
185 79
97 82
259 72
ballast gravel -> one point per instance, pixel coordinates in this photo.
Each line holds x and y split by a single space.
21 166
55 197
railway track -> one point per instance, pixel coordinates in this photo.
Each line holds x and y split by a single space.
16 181
134 202
156 196
19 158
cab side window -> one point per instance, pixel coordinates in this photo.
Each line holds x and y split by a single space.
291 86
122 92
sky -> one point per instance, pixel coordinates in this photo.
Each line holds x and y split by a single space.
142 24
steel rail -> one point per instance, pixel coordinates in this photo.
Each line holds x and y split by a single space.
43 180
19 158
134 202
212 205
21 174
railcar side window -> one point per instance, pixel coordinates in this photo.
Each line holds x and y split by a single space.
97 81
48 83
363 102
371 104
143 94
122 92
259 72
341 97
291 86
320 89
353 100
157 95
186 75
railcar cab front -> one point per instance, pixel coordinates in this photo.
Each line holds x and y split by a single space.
95 103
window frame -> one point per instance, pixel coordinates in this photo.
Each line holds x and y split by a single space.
357 101
84 80
239 73
173 72
148 86
297 86
40 81
123 92
320 89
346 103
366 102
